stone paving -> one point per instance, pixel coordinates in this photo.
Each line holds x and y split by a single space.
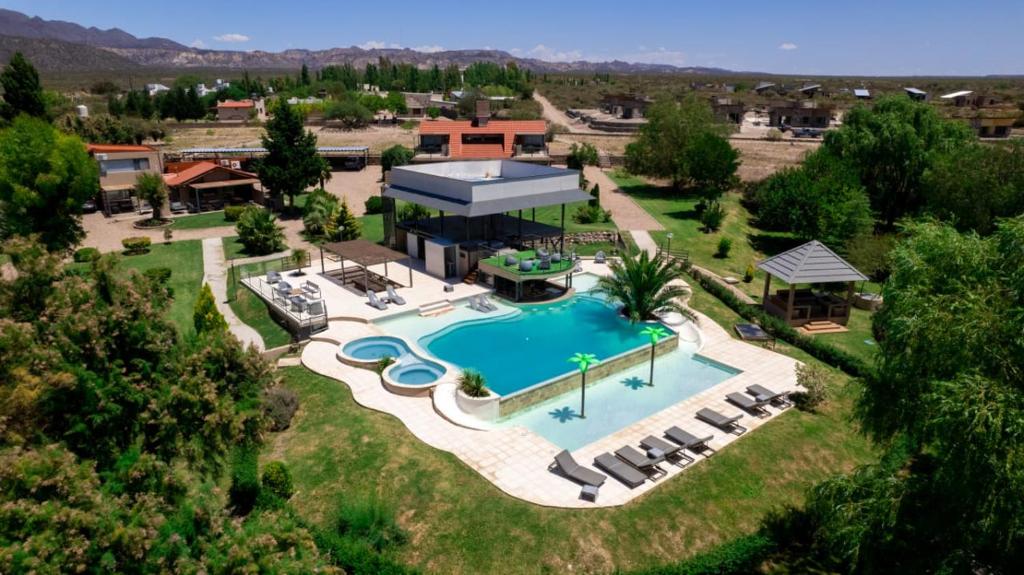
215 273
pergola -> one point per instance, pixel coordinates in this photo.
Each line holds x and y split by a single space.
365 254
811 263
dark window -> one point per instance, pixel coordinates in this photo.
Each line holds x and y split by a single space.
483 139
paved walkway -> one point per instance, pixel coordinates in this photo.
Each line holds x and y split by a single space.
215 273
644 241
627 214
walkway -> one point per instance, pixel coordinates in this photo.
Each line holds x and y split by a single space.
215 273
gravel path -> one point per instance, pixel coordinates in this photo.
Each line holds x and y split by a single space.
215 273
627 214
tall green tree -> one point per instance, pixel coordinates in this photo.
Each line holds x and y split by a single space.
974 186
712 164
23 93
348 225
151 187
206 317
396 155
292 163
45 177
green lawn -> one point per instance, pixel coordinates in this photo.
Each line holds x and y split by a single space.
250 308
552 215
201 221
373 227
185 258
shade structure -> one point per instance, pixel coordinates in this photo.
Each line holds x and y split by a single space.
810 263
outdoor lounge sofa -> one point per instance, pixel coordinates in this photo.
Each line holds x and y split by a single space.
545 264
526 266
628 475
599 257
689 441
673 453
746 403
283 289
374 301
762 393
393 297
273 277
310 290
722 422
511 260
642 461
556 258
566 466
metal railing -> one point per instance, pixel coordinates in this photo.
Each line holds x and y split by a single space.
311 313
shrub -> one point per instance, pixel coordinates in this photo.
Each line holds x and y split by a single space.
472 383
87 255
383 364
870 254
412 212
258 231
205 315
136 245
371 521
374 205
159 276
712 217
301 257
590 214
774 135
278 480
724 246
232 213
395 156
595 194
280 405
814 379
245 480
168 235
348 225
748 274
741 555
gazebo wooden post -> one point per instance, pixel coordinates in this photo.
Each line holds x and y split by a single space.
767 291
341 261
409 260
789 304
366 278
385 271
322 269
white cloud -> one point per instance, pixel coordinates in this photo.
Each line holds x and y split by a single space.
232 38
542 52
377 45
515 51
429 49
661 55
197 43
787 46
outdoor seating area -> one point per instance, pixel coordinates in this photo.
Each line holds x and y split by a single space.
522 276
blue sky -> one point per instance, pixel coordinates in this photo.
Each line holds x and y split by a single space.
869 37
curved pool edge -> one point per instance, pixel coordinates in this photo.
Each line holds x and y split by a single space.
449 374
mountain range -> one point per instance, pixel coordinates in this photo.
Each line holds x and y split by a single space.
58 46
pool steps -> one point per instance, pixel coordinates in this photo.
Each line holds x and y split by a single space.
436 308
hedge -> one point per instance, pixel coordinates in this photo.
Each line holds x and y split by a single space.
741 555
231 213
780 329
87 255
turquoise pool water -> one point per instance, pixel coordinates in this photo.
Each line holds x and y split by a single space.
410 368
622 399
524 349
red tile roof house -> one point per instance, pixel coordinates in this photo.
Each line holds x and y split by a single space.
481 138
236 110
204 186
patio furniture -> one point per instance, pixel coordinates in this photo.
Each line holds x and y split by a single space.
599 257
643 462
752 406
725 423
526 266
394 297
544 264
673 453
487 303
762 393
284 289
589 493
298 303
475 305
556 258
751 332
627 475
374 301
689 441
273 277
542 253
567 466
511 260
178 208
311 290
316 308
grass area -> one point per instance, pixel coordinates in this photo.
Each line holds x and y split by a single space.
499 262
552 215
250 308
749 244
373 227
201 221
185 259
233 248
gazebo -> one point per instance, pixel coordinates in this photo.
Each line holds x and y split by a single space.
364 254
811 263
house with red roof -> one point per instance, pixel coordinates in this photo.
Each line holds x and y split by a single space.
120 166
205 186
481 138
237 110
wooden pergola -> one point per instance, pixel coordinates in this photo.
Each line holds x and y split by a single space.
364 254
811 263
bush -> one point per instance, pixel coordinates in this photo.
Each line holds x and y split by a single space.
232 213
712 217
371 521
748 274
814 379
205 315
741 555
374 205
136 245
383 364
595 194
278 480
553 130
870 254
724 246
472 383
774 135
412 212
280 405
395 156
258 231
245 480
159 276
87 255
590 214
356 557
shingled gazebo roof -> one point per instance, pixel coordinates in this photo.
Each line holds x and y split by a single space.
810 263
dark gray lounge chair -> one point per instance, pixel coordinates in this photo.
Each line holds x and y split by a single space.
567 466
762 393
746 403
628 475
642 461
599 258
556 258
721 421
273 277
673 453
689 441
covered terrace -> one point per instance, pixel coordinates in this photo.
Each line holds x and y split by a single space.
363 254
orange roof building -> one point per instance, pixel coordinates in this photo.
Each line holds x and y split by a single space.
236 110
481 138
202 186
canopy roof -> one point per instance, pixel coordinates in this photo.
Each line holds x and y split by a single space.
364 253
812 262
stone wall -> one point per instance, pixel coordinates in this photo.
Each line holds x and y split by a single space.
594 237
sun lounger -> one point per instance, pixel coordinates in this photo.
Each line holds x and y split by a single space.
474 304
746 403
567 466
762 393
273 277
374 301
689 441
394 297
599 258
673 453
721 421
642 461
486 303
542 253
628 475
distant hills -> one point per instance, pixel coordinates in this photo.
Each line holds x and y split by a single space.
58 46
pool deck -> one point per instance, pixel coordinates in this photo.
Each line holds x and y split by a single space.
516 459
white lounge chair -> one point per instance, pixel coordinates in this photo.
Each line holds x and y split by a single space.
393 297
487 303
375 301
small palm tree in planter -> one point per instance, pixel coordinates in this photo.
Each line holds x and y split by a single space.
641 284
473 384
655 333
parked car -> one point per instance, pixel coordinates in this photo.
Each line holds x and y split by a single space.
89 207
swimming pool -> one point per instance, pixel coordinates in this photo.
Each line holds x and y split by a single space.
409 368
521 350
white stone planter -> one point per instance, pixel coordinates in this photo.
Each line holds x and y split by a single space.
485 408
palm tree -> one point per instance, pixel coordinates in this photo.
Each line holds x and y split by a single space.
656 333
584 361
320 215
641 284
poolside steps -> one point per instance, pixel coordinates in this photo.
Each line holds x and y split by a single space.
817 327
470 278
436 308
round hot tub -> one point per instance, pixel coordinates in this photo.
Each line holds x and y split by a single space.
376 347
420 372
410 374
